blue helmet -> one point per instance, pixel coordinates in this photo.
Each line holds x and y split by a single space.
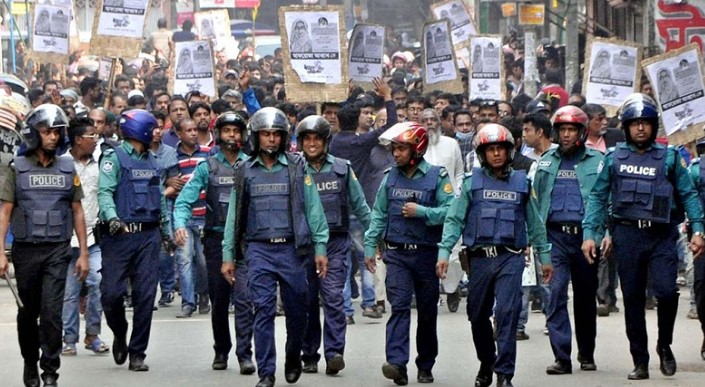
639 106
44 116
138 124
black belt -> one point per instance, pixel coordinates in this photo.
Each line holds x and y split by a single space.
492 251
273 240
132 227
405 246
566 228
638 223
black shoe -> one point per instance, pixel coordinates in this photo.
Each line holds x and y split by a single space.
641 372
137 365
395 373
668 365
587 363
484 376
650 304
31 375
335 364
614 309
371 312
50 380
220 362
166 299
292 370
381 307
204 307
424 376
266 381
350 320
504 380
603 310
453 300
310 367
120 350
560 368
521 335
186 311
247 367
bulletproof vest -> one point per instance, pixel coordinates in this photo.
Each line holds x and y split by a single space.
332 187
43 195
220 187
566 199
640 189
269 208
497 215
138 195
402 190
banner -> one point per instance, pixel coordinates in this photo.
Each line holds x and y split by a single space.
51 29
366 52
532 14
462 26
194 68
184 11
486 68
216 3
613 72
677 81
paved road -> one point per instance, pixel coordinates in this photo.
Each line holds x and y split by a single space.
180 354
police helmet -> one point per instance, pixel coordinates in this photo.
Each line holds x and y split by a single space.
639 106
44 116
268 118
493 134
410 133
313 124
570 115
230 118
137 124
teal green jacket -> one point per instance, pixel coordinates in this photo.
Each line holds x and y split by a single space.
356 197
457 218
433 215
108 179
315 216
545 178
676 172
192 189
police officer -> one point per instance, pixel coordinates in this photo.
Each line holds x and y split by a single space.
341 195
564 179
697 172
215 176
408 214
493 214
132 208
42 198
649 187
275 220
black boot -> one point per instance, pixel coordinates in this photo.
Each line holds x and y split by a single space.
484 376
504 380
641 372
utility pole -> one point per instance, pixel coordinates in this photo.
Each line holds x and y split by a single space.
572 65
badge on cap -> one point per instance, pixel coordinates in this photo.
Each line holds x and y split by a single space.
107 167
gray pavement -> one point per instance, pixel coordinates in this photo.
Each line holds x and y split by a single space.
180 354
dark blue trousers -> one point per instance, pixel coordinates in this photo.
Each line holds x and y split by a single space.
220 293
699 288
640 252
331 290
271 264
570 264
134 256
412 272
495 278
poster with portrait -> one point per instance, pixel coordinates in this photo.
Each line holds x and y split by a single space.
440 67
214 26
51 29
614 72
677 81
118 27
462 26
314 46
366 52
486 73
105 67
194 68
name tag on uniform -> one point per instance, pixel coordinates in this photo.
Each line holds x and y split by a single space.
143 173
544 163
406 193
37 181
566 174
327 186
499 195
637 170
260 189
226 180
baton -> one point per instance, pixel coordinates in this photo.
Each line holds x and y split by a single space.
13 289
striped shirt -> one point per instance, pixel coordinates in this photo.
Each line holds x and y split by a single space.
187 164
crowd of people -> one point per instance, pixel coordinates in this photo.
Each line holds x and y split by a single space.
246 202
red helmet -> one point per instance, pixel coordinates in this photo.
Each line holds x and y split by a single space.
493 134
411 133
570 115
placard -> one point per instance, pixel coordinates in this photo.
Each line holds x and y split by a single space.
50 40
311 45
440 67
214 26
118 27
462 26
366 52
105 66
614 72
486 76
194 68
677 81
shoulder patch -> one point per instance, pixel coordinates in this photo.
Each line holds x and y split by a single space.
544 163
307 180
443 172
387 170
448 188
76 181
107 167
